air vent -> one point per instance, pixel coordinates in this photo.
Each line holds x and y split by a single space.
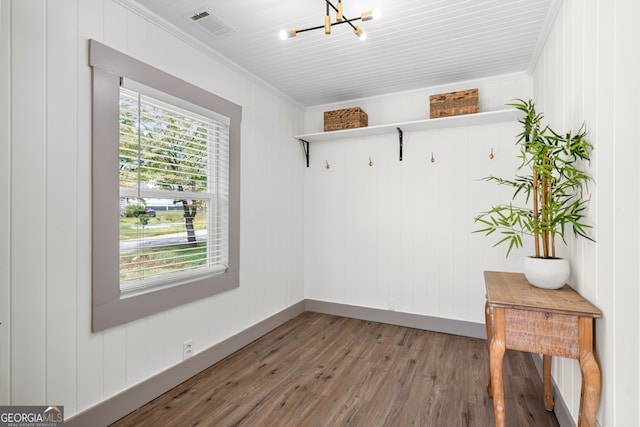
200 15
212 23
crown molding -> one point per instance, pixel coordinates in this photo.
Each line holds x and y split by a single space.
549 20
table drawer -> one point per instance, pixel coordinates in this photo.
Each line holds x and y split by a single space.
542 332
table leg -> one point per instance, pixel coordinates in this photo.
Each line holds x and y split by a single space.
590 395
488 324
546 379
496 354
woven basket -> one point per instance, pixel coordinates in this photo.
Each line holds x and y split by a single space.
347 118
454 103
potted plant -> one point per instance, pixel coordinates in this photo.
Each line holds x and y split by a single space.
555 190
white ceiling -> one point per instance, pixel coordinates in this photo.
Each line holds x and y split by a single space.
416 43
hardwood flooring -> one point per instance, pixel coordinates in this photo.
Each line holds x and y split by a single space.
323 370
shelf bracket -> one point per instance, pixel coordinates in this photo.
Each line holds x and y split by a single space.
305 147
400 141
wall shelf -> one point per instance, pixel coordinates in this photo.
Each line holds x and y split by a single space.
416 125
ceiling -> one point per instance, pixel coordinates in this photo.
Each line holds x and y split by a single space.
416 43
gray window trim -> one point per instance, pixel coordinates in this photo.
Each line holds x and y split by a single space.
109 307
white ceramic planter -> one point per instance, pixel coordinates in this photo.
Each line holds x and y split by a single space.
547 273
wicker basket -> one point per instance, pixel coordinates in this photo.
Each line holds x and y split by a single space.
454 103
347 118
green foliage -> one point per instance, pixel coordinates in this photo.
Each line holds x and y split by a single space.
161 146
159 261
556 187
131 211
165 222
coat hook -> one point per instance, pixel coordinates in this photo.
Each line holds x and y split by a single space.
370 162
491 155
328 166
433 159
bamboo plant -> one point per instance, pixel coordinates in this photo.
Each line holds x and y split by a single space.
555 187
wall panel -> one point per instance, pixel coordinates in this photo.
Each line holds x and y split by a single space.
627 178
5 167
91 378
28 198
589 71
61 233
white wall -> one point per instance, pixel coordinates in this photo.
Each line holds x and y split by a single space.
5 90
493 94
402 231
54 357
590 71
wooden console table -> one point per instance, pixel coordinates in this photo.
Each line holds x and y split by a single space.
558 322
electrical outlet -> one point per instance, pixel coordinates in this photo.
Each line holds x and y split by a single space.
392 304
187 349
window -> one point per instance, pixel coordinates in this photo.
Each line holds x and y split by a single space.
165 190
178 159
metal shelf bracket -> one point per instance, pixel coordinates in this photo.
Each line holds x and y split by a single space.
400 141
305 147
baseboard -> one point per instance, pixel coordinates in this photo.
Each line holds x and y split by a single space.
560 407
409 320
127 401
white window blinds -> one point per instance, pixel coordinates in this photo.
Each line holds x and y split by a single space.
174 192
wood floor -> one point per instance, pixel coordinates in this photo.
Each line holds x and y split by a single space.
322 370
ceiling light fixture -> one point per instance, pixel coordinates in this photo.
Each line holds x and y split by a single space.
340 19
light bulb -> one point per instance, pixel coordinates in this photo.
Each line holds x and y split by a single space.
360 33
368 16
285 34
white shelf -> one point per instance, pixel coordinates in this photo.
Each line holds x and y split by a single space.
444 122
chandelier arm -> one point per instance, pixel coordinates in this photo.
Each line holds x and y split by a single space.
309 29
332 6
348 21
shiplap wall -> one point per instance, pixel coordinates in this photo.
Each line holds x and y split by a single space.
590 71
45 162
399 233
5 90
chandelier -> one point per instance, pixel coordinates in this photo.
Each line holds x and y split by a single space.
340 19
